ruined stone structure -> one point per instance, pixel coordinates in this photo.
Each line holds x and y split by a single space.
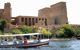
27 20
6 12
55 15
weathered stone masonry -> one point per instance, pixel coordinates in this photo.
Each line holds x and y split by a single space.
55 15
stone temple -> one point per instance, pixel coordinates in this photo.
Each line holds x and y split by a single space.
56 14
47 17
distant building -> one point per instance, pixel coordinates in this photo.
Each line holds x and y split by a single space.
55 15
6 12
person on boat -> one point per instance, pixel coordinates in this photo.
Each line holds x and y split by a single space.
5 42
0 42
14 41
25 41
35 39
38 40
20 41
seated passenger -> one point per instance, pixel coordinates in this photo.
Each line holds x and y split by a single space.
38 39
14 41
0 42
20 41
35 39
25 41
5 42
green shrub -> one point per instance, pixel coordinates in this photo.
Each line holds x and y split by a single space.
16 31
26 29
60 33
77 31
22 30
0 32
2 24
35 29
46 33
68 30
65 31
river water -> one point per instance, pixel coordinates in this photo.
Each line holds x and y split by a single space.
54 45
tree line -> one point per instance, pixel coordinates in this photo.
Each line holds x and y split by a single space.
65 31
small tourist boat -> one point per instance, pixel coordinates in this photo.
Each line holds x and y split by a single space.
25 45
31 44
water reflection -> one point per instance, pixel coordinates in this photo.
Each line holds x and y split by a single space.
54 45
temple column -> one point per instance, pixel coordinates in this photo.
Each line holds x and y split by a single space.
31 22
28 21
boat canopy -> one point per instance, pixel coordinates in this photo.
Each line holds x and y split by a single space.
29 34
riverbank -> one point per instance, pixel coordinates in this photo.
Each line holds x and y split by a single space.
61 39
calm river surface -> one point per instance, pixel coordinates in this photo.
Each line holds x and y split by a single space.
54 45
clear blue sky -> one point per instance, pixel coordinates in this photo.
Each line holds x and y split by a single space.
31 7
